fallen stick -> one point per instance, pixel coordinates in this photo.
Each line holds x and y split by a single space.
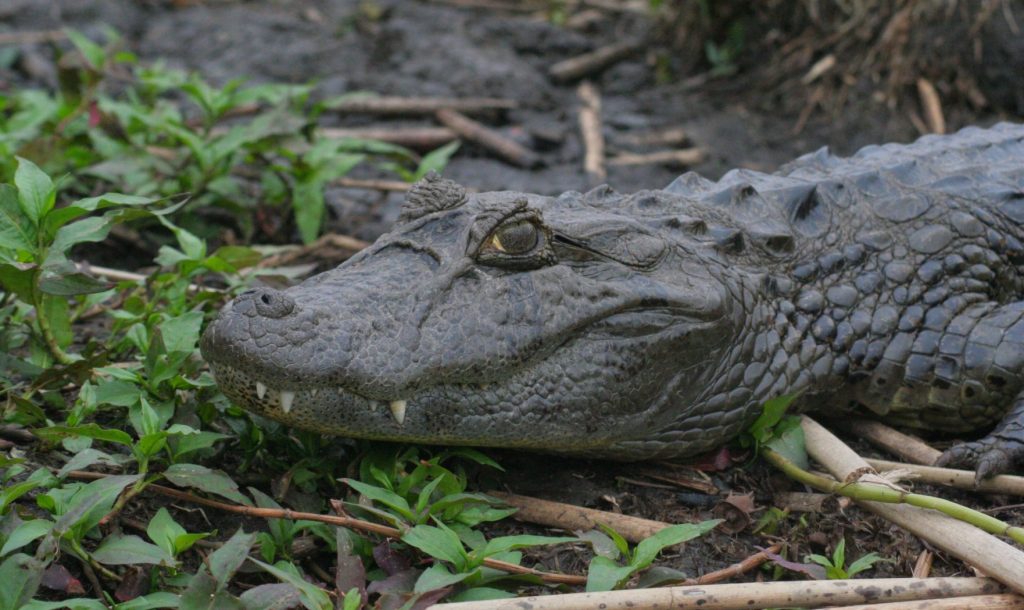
735 569
902 445
931 105
750 595
417 138
486 137
575 518
1002 601
577 67
957 479
672 136
373 185
32 37
989 554
590 131
117 275
384 105
681 157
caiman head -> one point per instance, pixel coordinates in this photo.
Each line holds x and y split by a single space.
496 319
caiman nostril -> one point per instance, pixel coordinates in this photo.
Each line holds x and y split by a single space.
272 303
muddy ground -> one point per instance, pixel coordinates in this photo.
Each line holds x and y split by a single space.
435 49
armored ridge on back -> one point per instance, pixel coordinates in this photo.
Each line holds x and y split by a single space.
656 324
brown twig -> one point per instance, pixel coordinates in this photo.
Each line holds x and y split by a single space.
580 66
416 138
328 240
475 132
932 106
590 130
385 106
923 565
574 518
735 569
753 595
670 136
899 444
32 37
349 522
683 157
373 185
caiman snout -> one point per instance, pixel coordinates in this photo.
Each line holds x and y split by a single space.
271 303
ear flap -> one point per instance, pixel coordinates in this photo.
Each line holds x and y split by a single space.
429 194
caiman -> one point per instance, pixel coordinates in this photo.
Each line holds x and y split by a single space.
657 323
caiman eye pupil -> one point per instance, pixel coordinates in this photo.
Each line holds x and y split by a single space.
517 238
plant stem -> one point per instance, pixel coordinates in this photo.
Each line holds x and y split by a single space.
879 493
49 338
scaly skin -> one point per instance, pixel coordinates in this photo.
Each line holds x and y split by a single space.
655 324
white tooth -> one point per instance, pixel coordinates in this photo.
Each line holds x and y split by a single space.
286 400
398 410
261 390
313 392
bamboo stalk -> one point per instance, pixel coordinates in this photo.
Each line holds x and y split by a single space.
389 105
958 479
750 596
991 555
1002 601
903 445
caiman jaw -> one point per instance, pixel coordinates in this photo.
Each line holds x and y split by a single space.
241 388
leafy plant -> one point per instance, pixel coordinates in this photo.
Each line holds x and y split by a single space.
836 568
607 573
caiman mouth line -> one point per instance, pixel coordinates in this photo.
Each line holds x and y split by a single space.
270 396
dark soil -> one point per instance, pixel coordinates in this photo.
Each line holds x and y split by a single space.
434 49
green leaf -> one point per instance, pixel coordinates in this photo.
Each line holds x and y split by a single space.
205 479
772 413
438 543
649 548
36 193
436 160
437 577
313 597
606 575
275 596
226 560
19 279
94 431
69 282
620 542
26 533
508 543
164 530
204 593
839 553
352 599
601 543
180 334
91 502
92 52
788 440
17 232
20 575
119 549
92 229
55 310
864 563
385 497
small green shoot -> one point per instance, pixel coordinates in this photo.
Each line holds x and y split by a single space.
607 573
836 568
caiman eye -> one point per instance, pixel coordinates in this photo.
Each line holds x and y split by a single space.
515 238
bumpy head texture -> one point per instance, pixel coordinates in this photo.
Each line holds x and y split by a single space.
631 326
